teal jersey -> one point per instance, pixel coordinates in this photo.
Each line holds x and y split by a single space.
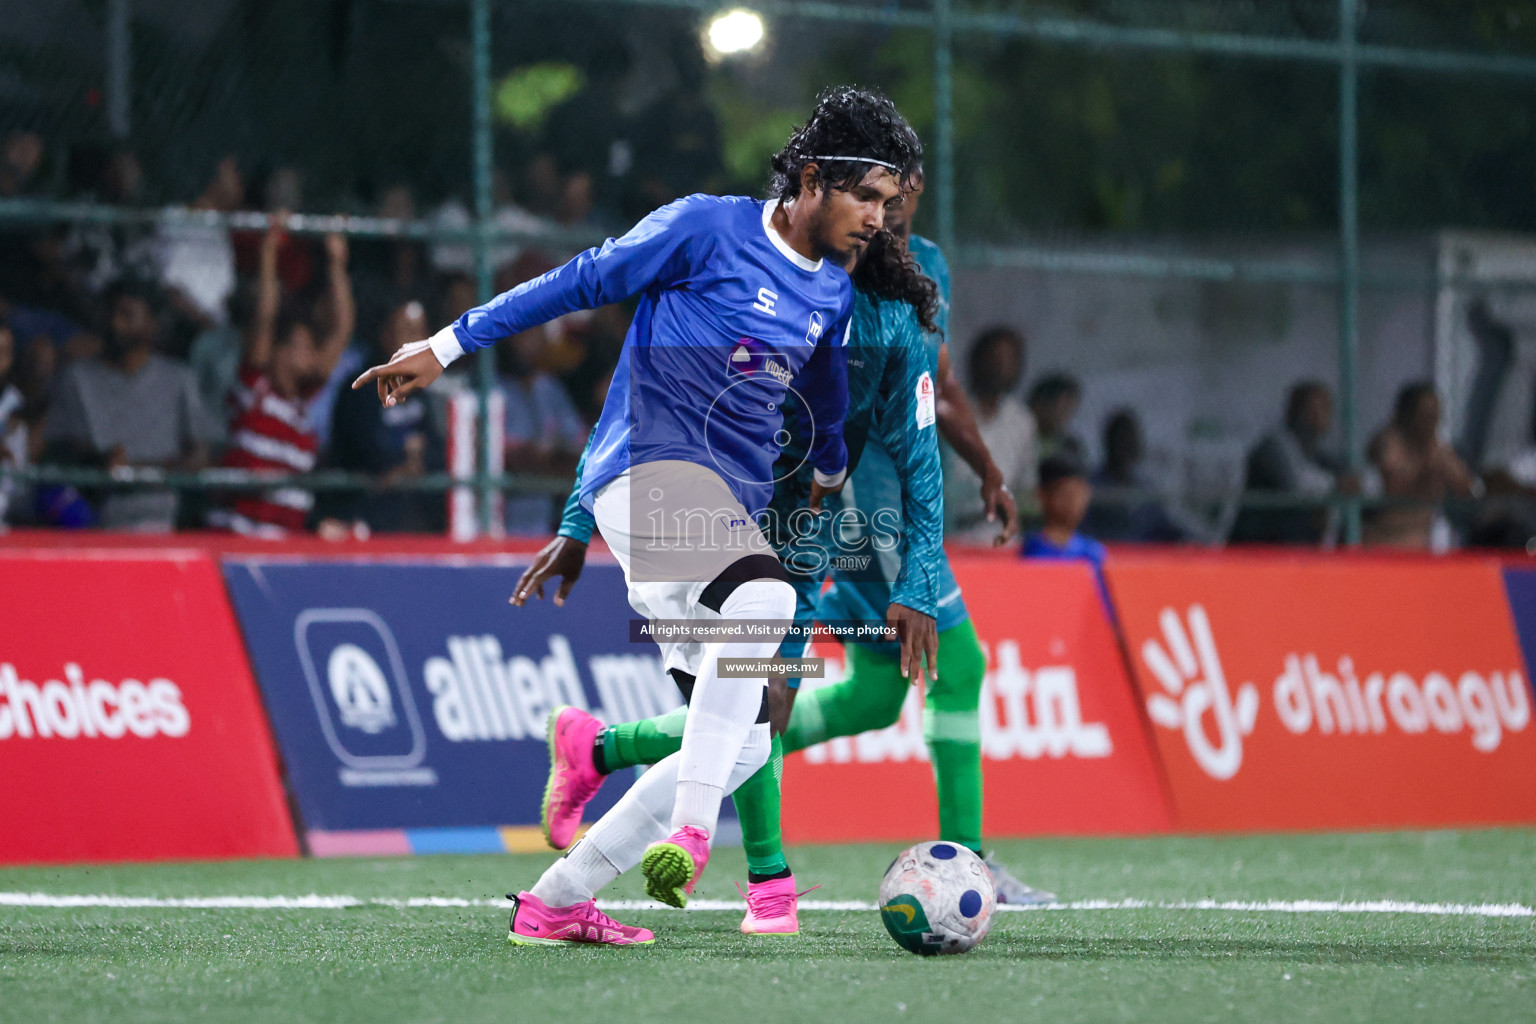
875 483
889 543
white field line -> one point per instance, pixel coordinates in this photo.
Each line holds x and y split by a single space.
317 902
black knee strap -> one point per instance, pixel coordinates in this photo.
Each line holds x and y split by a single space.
685 681
743 570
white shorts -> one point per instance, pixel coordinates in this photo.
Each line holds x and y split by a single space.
674 527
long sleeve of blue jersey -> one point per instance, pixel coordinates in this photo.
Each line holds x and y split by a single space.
823 384
656 249
905 424
576 522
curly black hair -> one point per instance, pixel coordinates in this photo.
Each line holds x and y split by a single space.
888 270
848 122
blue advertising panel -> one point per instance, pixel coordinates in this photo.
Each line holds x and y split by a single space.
1520 585
409 699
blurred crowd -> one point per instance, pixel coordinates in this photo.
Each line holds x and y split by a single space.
175 345
1288 490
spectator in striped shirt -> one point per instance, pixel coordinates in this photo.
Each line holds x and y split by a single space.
288 357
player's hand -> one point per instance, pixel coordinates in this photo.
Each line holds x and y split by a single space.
413 368
564 557
818 492
781 701
919 636
999 502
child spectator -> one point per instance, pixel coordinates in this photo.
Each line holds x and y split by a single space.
284 368
1064 494
1064 497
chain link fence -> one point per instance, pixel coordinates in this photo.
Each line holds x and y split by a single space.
1185 207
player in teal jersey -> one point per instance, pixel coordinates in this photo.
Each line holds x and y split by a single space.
872 694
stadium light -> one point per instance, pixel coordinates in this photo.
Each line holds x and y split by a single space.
733 32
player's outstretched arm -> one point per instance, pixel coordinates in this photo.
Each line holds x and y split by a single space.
957 422
566 555
656 249
413 368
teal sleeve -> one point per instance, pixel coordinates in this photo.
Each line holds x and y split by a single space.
906 426
576 522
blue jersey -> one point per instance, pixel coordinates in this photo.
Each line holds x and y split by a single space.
732 325
896 542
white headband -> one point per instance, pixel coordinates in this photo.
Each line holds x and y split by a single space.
857 160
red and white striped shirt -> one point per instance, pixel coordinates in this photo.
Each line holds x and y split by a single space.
269 432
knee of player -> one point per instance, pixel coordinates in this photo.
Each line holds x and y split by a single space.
753 587
768 599
756 750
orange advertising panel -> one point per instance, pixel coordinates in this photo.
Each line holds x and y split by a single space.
1312 695
1065 750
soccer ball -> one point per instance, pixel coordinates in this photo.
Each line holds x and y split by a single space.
937 898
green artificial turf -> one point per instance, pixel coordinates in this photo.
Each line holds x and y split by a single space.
453 964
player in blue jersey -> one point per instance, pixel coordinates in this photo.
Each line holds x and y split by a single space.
891 409
897 471
743 312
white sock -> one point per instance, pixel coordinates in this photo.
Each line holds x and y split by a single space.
722 711
576 877
697 804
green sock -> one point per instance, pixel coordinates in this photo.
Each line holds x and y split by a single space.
870 698
952 727
757 805
644 742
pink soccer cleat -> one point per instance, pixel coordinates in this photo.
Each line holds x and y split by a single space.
573 779
672 867
536 923
773 908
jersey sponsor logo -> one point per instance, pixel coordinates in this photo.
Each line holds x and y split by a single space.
815 327
765 301
77 708
926 407
1307 698
751 358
